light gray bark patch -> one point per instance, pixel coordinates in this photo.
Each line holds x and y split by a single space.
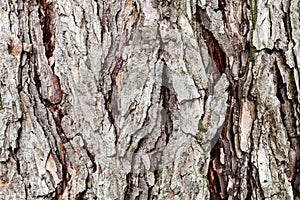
125 99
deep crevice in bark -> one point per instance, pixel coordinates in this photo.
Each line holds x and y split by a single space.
60 189
222 5
215 51
20 71
250 181
212 176
166 100
287 21
217 174
46 20
46 16
129 186
169 103
52 102
288 119
112 101
57 116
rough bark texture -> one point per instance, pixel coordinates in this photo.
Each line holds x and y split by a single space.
149 99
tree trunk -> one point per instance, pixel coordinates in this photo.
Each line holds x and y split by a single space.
153 99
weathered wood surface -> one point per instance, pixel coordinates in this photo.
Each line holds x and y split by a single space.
152 99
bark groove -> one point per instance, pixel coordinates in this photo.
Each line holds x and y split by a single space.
163 99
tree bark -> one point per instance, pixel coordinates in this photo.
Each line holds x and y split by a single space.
153 99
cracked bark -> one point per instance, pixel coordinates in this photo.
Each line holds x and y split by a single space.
149 99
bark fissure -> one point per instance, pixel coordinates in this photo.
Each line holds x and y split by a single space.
219 171
222 173
166 101
46 20
288 118
213 176
90 94
215 51
114 98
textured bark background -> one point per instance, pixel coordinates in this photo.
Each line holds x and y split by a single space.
149 99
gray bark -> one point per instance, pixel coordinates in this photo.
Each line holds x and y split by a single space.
152 99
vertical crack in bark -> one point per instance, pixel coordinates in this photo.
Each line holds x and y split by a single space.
165 97
250 181
90 155
214 49
288 118
59 190
111 101
20 71
212 176
60 152
222 5
125 20
287 21
223 175
46 17
46 20
288 27
218 172
129 186
169 103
